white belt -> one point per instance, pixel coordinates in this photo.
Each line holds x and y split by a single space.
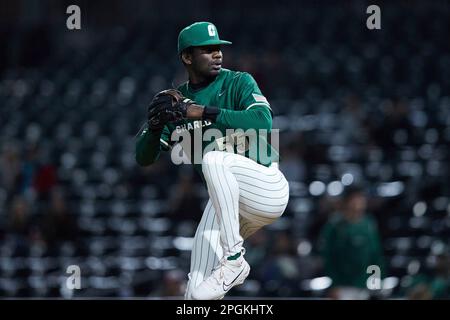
274 165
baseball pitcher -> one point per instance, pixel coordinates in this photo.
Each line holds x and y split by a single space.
234 157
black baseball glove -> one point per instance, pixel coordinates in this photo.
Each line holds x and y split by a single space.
167 106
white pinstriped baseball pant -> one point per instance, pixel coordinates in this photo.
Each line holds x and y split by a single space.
244 197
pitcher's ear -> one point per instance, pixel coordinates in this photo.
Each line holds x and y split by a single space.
186 56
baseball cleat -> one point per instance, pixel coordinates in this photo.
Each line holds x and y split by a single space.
226 275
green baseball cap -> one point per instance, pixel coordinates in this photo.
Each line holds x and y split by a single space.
199 34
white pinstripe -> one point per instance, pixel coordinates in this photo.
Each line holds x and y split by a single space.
244 197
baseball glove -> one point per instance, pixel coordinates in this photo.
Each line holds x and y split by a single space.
167 106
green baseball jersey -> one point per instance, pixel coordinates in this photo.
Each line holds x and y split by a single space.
234 93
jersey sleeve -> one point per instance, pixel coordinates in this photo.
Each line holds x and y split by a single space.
249 94
165 141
